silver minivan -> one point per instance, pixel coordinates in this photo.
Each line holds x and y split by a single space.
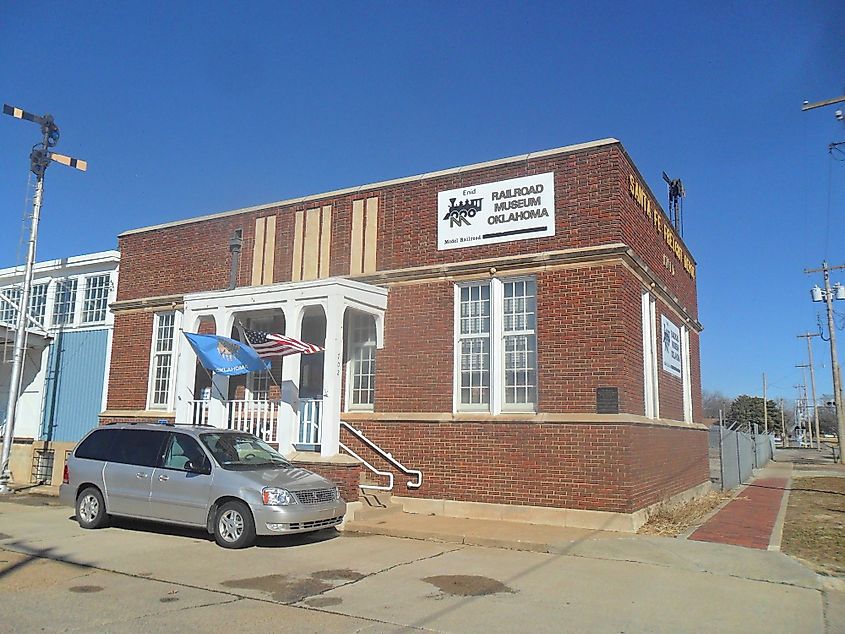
231 483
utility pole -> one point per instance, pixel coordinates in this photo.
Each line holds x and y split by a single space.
834 362
809 336
799 414
827 296
40 158
803 366
784 441
765 407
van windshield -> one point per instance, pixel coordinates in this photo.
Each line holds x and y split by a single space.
242 452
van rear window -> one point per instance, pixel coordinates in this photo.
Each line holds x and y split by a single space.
97 445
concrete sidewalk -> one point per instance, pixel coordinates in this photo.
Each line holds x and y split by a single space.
492 533
754 517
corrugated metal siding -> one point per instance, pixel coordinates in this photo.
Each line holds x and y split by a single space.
74 386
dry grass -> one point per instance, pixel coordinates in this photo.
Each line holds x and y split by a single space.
814 529
672 520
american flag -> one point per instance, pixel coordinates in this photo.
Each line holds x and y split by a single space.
268 344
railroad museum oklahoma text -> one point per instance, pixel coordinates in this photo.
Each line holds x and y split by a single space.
511 339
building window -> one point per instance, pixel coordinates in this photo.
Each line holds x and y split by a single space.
649 328
161 361
685 369
10 299
361 380
38 303
474 347
96 301
520 344
65 304
496 346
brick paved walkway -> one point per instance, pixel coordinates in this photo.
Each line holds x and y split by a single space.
749 519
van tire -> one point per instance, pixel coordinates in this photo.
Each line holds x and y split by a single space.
234 526
91 508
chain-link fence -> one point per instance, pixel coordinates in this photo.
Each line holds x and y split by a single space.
735 454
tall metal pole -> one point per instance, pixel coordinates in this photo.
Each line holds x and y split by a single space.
40 158
803 367
834 363
784 441
765 407
809 336
20 336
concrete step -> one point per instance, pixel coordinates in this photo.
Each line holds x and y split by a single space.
376 505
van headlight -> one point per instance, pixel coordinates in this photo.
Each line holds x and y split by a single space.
337 493
277 497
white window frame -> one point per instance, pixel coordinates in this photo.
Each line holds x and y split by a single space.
43 319
73 314
171 388
685 374
13 293
496 401
354 347
651 388
86 300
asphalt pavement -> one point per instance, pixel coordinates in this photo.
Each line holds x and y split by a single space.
135 577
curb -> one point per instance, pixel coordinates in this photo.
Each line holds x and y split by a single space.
451 538
777 530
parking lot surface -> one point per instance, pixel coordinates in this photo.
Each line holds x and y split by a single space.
136 576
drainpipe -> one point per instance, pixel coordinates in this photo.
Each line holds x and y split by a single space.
235 244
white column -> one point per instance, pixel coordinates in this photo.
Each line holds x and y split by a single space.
217 414
332 370
186 366
289 407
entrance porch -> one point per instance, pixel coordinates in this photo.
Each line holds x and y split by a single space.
297 403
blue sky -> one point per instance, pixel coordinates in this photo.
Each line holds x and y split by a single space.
185 108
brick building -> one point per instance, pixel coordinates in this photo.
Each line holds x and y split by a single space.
521 336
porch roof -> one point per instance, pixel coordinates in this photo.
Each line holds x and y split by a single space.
355 294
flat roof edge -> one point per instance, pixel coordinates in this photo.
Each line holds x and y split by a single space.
98 257
396 181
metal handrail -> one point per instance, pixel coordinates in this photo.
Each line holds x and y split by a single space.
386 474
387 456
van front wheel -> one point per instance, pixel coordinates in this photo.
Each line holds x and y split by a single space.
234 526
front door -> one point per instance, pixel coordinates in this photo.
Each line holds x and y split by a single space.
311 383
178 493
128 473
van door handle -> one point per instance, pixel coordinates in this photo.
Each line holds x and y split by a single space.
163 478
141 474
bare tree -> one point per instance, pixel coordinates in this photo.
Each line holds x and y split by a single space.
712 401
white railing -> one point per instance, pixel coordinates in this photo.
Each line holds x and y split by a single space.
260 418
310 413
199 412
387 456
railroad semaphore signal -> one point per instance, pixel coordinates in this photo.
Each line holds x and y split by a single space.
40 158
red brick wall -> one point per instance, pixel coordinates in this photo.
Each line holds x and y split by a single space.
664 461
695 376
592 204
130 362
639 232
669 386
414 369
587 338
346 477
619 468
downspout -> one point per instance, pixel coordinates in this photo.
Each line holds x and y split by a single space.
235 244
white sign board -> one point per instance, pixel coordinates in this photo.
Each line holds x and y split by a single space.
488 213
671 347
